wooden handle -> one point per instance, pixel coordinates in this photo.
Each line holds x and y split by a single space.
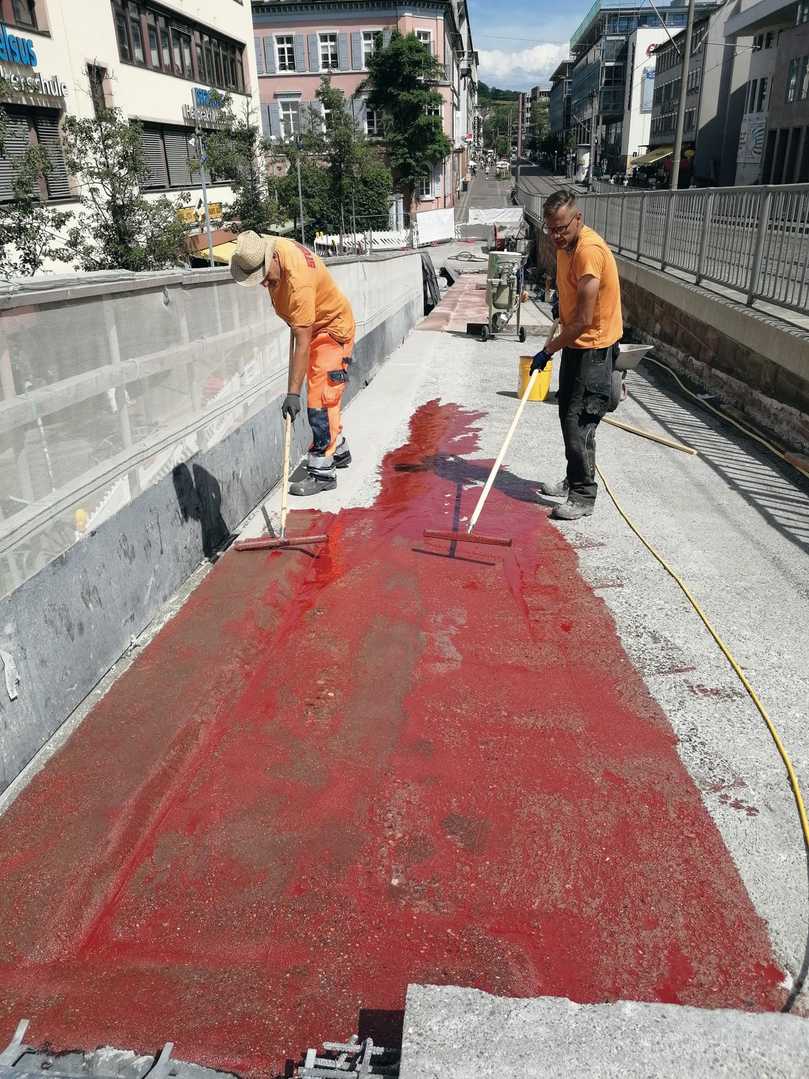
484 494
651 436
285 487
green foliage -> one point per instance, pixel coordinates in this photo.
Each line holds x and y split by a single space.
492 93
500 126
117 228
401 89
342 177
239 152
29 229
539 128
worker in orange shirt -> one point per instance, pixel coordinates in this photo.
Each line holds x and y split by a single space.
590 328
305 295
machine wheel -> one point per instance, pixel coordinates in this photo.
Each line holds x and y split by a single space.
484 334
521 335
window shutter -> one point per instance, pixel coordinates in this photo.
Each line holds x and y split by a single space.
300 52
269 54
360 112
356 50
16 143
266 126
259 55
275 119
343 62
156 160
386 36
314 52
177 157
57 180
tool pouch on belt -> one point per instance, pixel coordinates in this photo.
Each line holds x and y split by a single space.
597 373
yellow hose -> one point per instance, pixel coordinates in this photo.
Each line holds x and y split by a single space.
793 779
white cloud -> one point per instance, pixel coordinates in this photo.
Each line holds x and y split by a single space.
521 68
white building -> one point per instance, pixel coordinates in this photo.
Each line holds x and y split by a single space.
150 60
640 81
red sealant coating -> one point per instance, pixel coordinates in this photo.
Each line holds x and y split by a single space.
336 772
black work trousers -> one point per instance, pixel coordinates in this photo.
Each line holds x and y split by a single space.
585 378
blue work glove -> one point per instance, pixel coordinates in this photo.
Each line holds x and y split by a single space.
291 406
540 361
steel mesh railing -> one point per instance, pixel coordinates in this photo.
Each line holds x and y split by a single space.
753 240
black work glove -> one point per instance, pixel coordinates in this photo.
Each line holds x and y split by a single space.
540 361
291 406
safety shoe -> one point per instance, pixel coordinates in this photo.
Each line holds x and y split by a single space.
555 490
342 455
314 483
572 511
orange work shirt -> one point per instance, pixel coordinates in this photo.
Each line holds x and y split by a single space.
590 258
307 294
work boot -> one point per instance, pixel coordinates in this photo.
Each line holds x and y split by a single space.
314 483
555 490
572 511
342 455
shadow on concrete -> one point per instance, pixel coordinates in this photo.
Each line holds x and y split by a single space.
199 497
384 1027
770 486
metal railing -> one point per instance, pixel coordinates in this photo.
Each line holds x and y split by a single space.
753 240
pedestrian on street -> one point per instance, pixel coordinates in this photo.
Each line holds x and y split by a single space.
322 329
591 326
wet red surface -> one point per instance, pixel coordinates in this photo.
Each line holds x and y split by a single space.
330 776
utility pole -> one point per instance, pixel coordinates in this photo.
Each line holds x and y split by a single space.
678 138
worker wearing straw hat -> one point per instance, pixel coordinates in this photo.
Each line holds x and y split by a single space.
306 297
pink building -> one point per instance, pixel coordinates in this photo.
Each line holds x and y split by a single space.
297 44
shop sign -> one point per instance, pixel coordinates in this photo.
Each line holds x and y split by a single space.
16 50
206 108
20 51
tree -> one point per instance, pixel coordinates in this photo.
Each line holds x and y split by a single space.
117 228
401 89
539 127
343 179
239 152
29 229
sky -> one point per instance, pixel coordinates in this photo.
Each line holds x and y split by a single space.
521 42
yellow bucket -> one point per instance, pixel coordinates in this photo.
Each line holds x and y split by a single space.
542 384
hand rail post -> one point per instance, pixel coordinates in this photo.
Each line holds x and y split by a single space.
765 201
641 217
707 221
667 230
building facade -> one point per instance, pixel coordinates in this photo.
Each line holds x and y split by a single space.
773 146
640 83
297 44
156 62
559 100
600 48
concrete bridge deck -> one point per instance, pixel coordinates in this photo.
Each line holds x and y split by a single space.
334 773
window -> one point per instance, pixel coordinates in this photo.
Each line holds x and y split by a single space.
285 53
802 15
373 123
24 128
426 38
290 117
761 99
758 42
369 44
171 155
690 119
803 78
434 110
792 80
769 39
424 188
328 52
176 47
136 37
24 13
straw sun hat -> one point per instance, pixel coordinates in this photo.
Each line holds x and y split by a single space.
252 257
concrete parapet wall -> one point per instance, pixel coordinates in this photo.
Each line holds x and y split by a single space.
758 365
69 622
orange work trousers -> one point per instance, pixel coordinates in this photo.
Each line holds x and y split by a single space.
326 380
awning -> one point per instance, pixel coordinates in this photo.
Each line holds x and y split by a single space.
222 253
657 154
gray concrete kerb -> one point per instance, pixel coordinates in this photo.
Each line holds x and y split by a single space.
459 1033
